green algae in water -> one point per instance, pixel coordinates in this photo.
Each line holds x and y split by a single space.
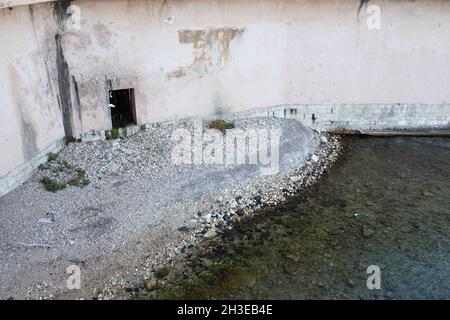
387 204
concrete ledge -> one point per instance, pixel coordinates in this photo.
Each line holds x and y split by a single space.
364 118
96 135
426 133
101 135
21 174
344 118
372 117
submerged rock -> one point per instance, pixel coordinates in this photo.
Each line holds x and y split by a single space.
367 232
183 229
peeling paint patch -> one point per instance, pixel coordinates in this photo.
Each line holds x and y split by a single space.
211 51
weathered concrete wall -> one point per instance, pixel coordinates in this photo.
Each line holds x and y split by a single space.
30 118
362 118
195 58
188 58
15 3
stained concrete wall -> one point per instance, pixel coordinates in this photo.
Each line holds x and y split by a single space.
15 3
194 58
187 58
30 118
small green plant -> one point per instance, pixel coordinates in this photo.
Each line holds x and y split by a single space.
84 183
221 125
52 156
75 182
51 185
66 164
229 125
81 176
62 167
81 173
115 133
80 180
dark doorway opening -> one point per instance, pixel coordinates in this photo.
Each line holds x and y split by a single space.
123 111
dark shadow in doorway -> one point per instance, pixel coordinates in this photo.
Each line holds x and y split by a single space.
123 111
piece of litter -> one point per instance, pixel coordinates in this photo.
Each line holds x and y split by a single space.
50 218
33 245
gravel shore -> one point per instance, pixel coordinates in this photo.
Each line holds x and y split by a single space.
128 209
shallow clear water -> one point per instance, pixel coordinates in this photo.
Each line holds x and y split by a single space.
386 203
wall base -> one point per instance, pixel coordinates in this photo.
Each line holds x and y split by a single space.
364 118
25 171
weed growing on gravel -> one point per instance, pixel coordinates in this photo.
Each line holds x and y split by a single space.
62 167
52 185
80 180
221 125
81 176
115 133
75 182
63 174
66 164
52 156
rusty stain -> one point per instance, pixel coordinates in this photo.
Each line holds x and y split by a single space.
211 50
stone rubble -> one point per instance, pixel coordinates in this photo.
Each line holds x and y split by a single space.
140 210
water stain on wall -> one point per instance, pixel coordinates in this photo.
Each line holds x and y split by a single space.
60 12
77 100
65 97
65 80
24 115
28 135
43 53
362 3
211 51
103 35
